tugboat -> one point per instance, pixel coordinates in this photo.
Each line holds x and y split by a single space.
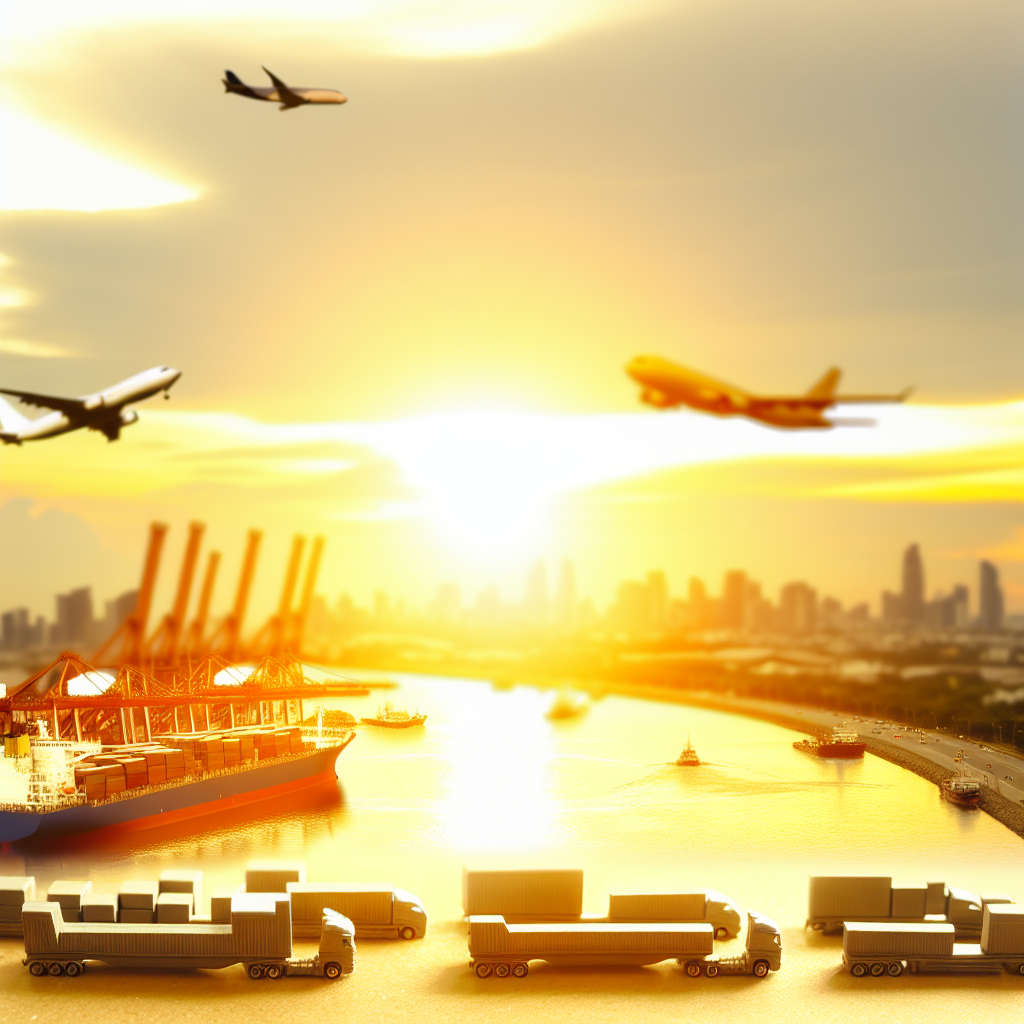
688 758
843 743
961 790
566 706
390 717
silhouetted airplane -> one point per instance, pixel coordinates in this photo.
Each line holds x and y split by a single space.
281 93
104 411
666 385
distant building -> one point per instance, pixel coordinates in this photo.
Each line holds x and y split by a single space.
631 612
535 605
19 631
657 599
734 593
699 606
565 611
798 607
912 594
990 599
447 605
892 609
75 625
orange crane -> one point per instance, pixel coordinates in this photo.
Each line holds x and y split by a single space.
273 635
226 641
163 644
308 588
194 638
125 647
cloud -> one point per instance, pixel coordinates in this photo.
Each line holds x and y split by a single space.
34 349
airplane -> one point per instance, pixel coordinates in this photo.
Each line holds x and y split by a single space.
281 93
667 385
103 411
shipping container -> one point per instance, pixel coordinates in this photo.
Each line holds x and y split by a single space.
17 889
849 897
376 911
138 895
132 915
536 894
657 907
1002 930
68 893
887 939
9 912
273 875
935 902
96 907
220 903
174 908
909 902
183 881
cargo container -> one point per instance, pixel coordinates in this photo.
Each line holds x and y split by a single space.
705 906
523 895
15 892
502 949
835 900
376 911
183 881
259 937
99 908
885 948
138 895
67 894
273 875
174 908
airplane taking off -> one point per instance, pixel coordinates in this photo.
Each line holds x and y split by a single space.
288 97
104 411
666 385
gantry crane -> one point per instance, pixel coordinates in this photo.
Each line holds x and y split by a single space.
227 639
163 646
272 637
197 629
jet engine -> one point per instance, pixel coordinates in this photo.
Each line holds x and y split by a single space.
128 417
656 398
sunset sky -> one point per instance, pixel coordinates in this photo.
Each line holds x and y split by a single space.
403 322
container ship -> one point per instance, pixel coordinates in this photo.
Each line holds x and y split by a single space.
960 790
843 743
390 717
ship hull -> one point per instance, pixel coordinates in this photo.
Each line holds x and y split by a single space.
176 803
960 799
381 723
846 751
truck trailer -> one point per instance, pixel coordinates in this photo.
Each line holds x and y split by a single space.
376 911
259 937
884 948
522 897
502 949
834 900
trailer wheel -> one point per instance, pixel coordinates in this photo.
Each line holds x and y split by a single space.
721 933
711 970
761 969
1020 968
37 968
895 969
877 970
858 970
693 969
55 970
332 970
407 932
483 970
255 972
501 970
520 970
273 972
73 970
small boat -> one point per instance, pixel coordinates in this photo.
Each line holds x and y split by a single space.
389 717
566 705
961 790
844 743
688 758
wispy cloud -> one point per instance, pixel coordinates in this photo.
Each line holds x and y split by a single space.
34 349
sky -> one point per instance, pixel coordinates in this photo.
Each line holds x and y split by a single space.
402 322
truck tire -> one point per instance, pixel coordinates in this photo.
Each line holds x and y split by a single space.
483 970
520 970
255 971
502 970
711 970
721 933
1020 968
858 970
407 932
332 970
37 968
55 970
761 968
693 969
895 969
877 970
73 970
274 971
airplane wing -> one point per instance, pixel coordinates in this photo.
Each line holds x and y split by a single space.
69 406
813 402
286 96
110 428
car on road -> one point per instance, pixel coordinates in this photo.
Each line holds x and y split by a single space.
1009 778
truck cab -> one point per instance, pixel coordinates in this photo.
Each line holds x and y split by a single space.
722 915
409 916
764 941
337 943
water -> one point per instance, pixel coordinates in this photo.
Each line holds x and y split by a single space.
491 782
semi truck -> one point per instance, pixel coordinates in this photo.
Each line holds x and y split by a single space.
836 899
887 948
521 897
259 937
376 911
502 949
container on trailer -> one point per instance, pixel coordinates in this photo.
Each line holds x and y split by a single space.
360 903
273 875
138 895
174 908
657 907
963 907
220 903
183 881
995 897
935 902
98 908
67 894
133 915
533 893
888 939
841 896
16 890
41 923
1002 929
909 901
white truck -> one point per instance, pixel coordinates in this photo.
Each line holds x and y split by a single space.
376 911
884 948
502 949
259 937
833 900
522 897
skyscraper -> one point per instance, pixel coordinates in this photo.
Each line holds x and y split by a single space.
657 599
565 598
990 600
536 603
734 594
912 595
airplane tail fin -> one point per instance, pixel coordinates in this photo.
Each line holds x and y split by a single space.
11 421
826 387
230 76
